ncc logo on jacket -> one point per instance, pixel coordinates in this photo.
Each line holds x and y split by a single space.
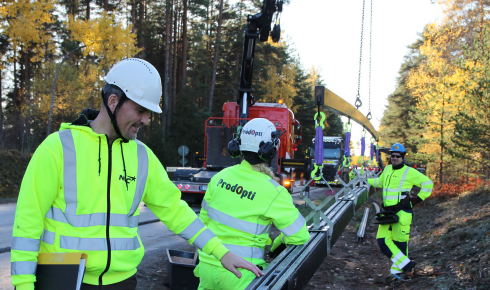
238 189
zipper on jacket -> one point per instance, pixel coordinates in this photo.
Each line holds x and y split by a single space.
108 221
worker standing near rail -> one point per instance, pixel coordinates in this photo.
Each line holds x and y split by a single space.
83 185
242 202
397 181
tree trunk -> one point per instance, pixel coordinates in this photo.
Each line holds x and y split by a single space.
168 40
1 112
216 52
133 15
141 28
184 46
442 142
174 69
209 17
87 9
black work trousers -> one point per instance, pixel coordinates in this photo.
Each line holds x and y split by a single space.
128 284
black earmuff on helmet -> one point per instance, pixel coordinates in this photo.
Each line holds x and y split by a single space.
268 150
234 148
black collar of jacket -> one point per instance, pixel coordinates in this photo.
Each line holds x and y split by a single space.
86 116
399 166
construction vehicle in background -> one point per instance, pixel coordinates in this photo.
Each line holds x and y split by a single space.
333 156
219 131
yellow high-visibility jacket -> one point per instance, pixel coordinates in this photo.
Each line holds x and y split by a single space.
79 194
397 183
240 206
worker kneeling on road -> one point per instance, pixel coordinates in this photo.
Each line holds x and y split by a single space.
83 185
242 202
397 180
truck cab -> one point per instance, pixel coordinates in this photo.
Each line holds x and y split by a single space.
333 156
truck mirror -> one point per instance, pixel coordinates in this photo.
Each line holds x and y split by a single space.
297 139
298 127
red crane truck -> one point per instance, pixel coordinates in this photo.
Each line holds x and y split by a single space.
220 131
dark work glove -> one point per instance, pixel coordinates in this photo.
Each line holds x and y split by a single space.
415 200
277 251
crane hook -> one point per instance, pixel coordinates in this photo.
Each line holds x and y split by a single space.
358 102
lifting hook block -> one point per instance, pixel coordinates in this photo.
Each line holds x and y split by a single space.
369 116
358 102
322 120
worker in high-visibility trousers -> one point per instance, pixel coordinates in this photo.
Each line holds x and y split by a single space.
397 180
242 202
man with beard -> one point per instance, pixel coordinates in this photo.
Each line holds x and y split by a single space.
83 185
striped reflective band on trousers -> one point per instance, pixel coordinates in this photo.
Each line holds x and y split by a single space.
396 191
69 215
400 260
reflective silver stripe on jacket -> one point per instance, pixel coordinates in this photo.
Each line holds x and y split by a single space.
233 222
394 197
376 182
99 244
48 237
26 244
426 183
400 185
69 171
203 238
95 219
274 182
192 229
141 177
426 190
23 268
246 252
70 216
295 227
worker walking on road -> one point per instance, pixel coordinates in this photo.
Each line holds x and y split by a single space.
242 202
397 181
83 185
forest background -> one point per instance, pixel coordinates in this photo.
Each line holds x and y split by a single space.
439 109
196 45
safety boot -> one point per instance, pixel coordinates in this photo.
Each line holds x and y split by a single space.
409 273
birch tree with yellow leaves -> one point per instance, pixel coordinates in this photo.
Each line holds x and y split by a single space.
438 86
24 23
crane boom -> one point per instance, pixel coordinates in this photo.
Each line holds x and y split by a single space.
258 26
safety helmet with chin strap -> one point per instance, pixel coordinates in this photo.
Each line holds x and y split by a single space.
139 81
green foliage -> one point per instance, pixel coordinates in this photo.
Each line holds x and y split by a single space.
111 30
472 127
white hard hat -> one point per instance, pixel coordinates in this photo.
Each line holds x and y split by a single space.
139 80
255 133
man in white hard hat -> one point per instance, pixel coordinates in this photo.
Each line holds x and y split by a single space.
83 185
